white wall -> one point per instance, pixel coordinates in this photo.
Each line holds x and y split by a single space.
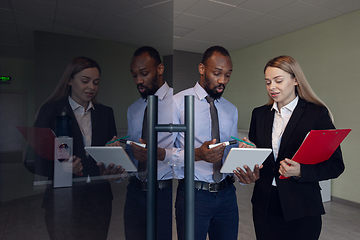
329 53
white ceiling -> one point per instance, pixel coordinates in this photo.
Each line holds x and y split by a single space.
189 25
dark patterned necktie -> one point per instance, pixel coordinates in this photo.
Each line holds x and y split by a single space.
215 134
142 166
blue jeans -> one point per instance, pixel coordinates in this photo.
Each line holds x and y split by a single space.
215 213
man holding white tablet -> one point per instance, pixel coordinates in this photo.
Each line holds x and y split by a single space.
216 210
147 71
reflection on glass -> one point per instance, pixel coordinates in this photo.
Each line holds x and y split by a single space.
147 71
42 38
71 211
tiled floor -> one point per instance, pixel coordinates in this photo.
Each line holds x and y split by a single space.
21 216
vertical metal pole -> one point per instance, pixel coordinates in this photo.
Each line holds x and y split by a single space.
189 169
152 117
153 128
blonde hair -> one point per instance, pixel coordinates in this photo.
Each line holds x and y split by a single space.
63 89
303 89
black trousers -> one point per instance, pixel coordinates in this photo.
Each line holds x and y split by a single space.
135 213
80 212
274 226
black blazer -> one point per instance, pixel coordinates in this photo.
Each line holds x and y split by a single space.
299 197
103 129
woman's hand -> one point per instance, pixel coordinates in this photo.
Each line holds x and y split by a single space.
290 168
244 145
77 166
114 144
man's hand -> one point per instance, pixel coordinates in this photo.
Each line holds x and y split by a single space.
112 173
290 168
140 153
209 155
248 176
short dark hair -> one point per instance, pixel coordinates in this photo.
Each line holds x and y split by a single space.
153 53
210 51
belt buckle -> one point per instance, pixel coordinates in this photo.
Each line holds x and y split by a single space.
143 186
164 183
213 187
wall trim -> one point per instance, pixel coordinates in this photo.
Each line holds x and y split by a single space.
346 202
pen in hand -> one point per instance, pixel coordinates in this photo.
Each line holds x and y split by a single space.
128 142
119 139
226 144
242 141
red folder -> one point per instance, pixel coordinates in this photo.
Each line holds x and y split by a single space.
40 139
319 145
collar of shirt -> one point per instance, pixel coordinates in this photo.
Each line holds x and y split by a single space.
161 92
201 93
290 106
74 105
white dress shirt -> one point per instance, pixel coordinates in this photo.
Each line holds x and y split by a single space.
281 119
83 118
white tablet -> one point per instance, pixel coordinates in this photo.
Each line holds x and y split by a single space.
238 157
115 155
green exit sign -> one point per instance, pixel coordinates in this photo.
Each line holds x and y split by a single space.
5 79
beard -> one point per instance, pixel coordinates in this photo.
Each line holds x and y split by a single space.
149 91
212 91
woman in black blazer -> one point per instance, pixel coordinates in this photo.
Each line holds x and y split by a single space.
289 208
84 210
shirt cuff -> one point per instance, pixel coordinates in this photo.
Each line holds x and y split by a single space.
168 155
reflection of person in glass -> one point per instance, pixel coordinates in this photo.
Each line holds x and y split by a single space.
289 208
147 72
83 211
